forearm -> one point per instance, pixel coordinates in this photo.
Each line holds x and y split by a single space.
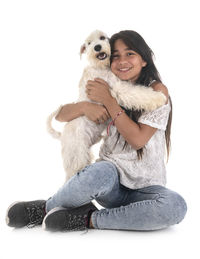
126 127
71 111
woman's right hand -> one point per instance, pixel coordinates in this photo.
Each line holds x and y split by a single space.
96 112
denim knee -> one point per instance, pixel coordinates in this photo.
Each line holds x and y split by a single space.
175 208
180 207
99 177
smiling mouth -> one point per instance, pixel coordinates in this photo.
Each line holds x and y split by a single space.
102 56
124 69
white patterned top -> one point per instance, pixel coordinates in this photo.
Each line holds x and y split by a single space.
151 170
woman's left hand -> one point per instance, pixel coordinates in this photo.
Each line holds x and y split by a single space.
98 91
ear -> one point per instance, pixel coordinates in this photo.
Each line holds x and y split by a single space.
82 49
144 63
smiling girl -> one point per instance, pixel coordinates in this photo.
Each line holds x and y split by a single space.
129 178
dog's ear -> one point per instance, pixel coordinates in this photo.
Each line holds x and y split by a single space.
82 49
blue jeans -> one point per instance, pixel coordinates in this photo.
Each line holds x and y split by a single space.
150 208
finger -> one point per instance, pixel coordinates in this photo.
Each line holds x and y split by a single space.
89 87
88 94
97 121
91 82
101 121
105 117
100 80
106 113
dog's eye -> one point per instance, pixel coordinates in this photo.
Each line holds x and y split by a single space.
102 38
89 43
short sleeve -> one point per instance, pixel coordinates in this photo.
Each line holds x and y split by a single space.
157 118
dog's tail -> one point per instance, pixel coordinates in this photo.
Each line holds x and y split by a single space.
50 129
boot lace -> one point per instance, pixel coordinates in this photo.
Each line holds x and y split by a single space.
36 215
76 222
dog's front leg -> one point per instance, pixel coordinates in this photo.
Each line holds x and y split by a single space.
135 97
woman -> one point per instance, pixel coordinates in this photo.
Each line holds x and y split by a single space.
129 177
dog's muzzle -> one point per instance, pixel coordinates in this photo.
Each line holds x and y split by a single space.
102 56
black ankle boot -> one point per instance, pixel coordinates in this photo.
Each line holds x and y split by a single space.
62 219
30 214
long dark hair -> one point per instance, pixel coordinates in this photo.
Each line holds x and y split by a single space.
149 73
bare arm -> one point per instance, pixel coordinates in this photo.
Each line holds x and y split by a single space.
92 111
137 135
70 111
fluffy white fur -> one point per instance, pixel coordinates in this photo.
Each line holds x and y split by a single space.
80 134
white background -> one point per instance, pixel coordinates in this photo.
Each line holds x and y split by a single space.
40 69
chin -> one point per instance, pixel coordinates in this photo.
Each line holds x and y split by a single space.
124 78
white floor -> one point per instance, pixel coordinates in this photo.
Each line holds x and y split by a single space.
175 242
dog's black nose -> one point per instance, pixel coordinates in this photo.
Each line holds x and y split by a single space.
97 47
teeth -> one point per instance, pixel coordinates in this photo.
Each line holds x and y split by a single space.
124 69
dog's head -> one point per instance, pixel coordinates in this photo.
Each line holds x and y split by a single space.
97 49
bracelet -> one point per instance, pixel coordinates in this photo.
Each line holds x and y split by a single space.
119 113
113 121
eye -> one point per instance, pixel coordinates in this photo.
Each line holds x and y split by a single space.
130 53
89 43
114 56
102 38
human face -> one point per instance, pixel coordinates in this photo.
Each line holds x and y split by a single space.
126 63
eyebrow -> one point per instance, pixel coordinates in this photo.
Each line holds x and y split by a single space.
115 50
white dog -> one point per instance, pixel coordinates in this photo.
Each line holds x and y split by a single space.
80 134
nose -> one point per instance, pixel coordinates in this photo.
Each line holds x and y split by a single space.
97 47
122 60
